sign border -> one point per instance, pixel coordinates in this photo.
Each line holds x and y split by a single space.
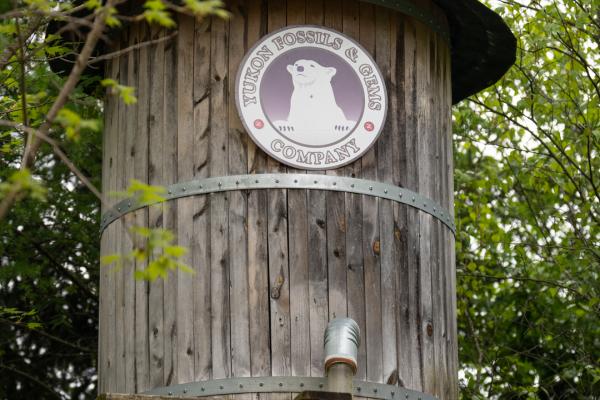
282 160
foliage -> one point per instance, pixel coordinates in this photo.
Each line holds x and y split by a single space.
73 123
22 182
158 252
528 212
527 204
126 93
155 248
49 264
144 193
50 158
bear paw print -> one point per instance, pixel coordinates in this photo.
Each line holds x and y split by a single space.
341 128
285 128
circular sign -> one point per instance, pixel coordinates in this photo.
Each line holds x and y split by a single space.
311 97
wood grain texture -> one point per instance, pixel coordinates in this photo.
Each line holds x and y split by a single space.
184 308
410 286
298 248
107 278
155 214
142 357
219 227
400 243
273 266
425 147
258 265
385 168
317 243
238 212
201 217
170 160
121 233
355 279
371 242
336 214
129 147
278 246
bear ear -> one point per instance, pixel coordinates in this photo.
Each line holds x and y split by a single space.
331 71
290 68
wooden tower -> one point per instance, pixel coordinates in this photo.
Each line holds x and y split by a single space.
278 251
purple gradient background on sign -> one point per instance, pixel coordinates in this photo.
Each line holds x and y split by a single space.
277 87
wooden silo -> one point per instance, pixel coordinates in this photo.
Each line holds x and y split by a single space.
278 251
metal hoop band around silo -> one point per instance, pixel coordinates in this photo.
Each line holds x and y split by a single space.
283 384
288 181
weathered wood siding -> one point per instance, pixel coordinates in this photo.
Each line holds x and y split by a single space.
272 266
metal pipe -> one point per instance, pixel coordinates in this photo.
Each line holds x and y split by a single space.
342 338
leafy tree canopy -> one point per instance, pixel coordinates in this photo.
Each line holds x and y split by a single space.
527 208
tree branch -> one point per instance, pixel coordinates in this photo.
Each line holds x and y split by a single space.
126 50
58 267
31 378
31 150
10 50
527 279
69 86
58 151
49 336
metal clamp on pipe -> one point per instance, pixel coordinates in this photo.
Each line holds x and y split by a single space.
342 338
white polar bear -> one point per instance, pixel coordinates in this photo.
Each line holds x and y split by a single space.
314 118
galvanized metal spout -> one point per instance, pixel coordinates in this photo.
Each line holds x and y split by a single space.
342 338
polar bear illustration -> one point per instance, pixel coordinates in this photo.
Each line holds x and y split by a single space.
314 118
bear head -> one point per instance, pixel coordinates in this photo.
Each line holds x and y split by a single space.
308 72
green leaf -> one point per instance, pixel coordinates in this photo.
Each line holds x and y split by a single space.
110 259
175 251
203 8
156 13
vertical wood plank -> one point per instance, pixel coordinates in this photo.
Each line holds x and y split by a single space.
238 213
278 249
219 202
425 181
399 171
170 207
155 214
448 389
201 218
142 361
353 210
258 276
336 216
121 234
439 297
102 312
128 169
299 291
449 237
318 279
107 283
298 247
388 258
410 342
317 243
184 369
371 239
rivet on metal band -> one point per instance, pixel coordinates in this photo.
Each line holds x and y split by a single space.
414 10
288 181
283 384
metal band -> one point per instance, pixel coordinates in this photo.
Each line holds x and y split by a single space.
414 10
283 384
288 181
